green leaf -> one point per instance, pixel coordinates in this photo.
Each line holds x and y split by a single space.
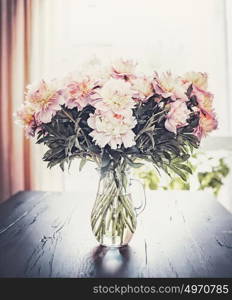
178 172
132 150
43 139
189 90
62 166
77 144
184 167
151 138
52 153
185 157
94 148
133 164
167 155
70 143
124 181
82 163
40 134
105 161
50 130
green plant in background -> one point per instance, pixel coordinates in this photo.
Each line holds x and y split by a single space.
150 179
212 178
177 184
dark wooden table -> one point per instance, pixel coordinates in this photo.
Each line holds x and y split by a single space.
180 234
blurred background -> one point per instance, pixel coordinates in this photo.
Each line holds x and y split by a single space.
49 38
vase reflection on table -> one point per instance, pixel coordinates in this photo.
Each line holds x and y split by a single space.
114 216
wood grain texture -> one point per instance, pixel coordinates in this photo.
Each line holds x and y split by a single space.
180 234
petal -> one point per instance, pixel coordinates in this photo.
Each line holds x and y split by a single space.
46 116
169 126
128 139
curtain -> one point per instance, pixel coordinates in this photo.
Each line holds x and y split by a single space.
15 157
22 52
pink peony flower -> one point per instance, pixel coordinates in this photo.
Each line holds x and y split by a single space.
115 95
142 88
177 116
124 69
78 93
45 99
207 123
32 129
169 86
26 117
112 129
204 99
198 79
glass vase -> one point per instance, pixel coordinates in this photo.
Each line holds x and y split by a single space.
114 216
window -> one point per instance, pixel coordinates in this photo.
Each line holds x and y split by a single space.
178 35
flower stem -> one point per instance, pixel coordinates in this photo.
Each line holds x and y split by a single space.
69 116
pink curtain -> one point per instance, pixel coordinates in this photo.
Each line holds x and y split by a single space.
15 165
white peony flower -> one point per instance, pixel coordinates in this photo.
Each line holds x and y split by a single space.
115 95
142 88
168 85
124 68
112 129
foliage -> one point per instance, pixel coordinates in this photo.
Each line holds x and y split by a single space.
67 137
211 178
214 179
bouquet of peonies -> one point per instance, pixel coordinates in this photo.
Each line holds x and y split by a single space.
117 118
119 115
